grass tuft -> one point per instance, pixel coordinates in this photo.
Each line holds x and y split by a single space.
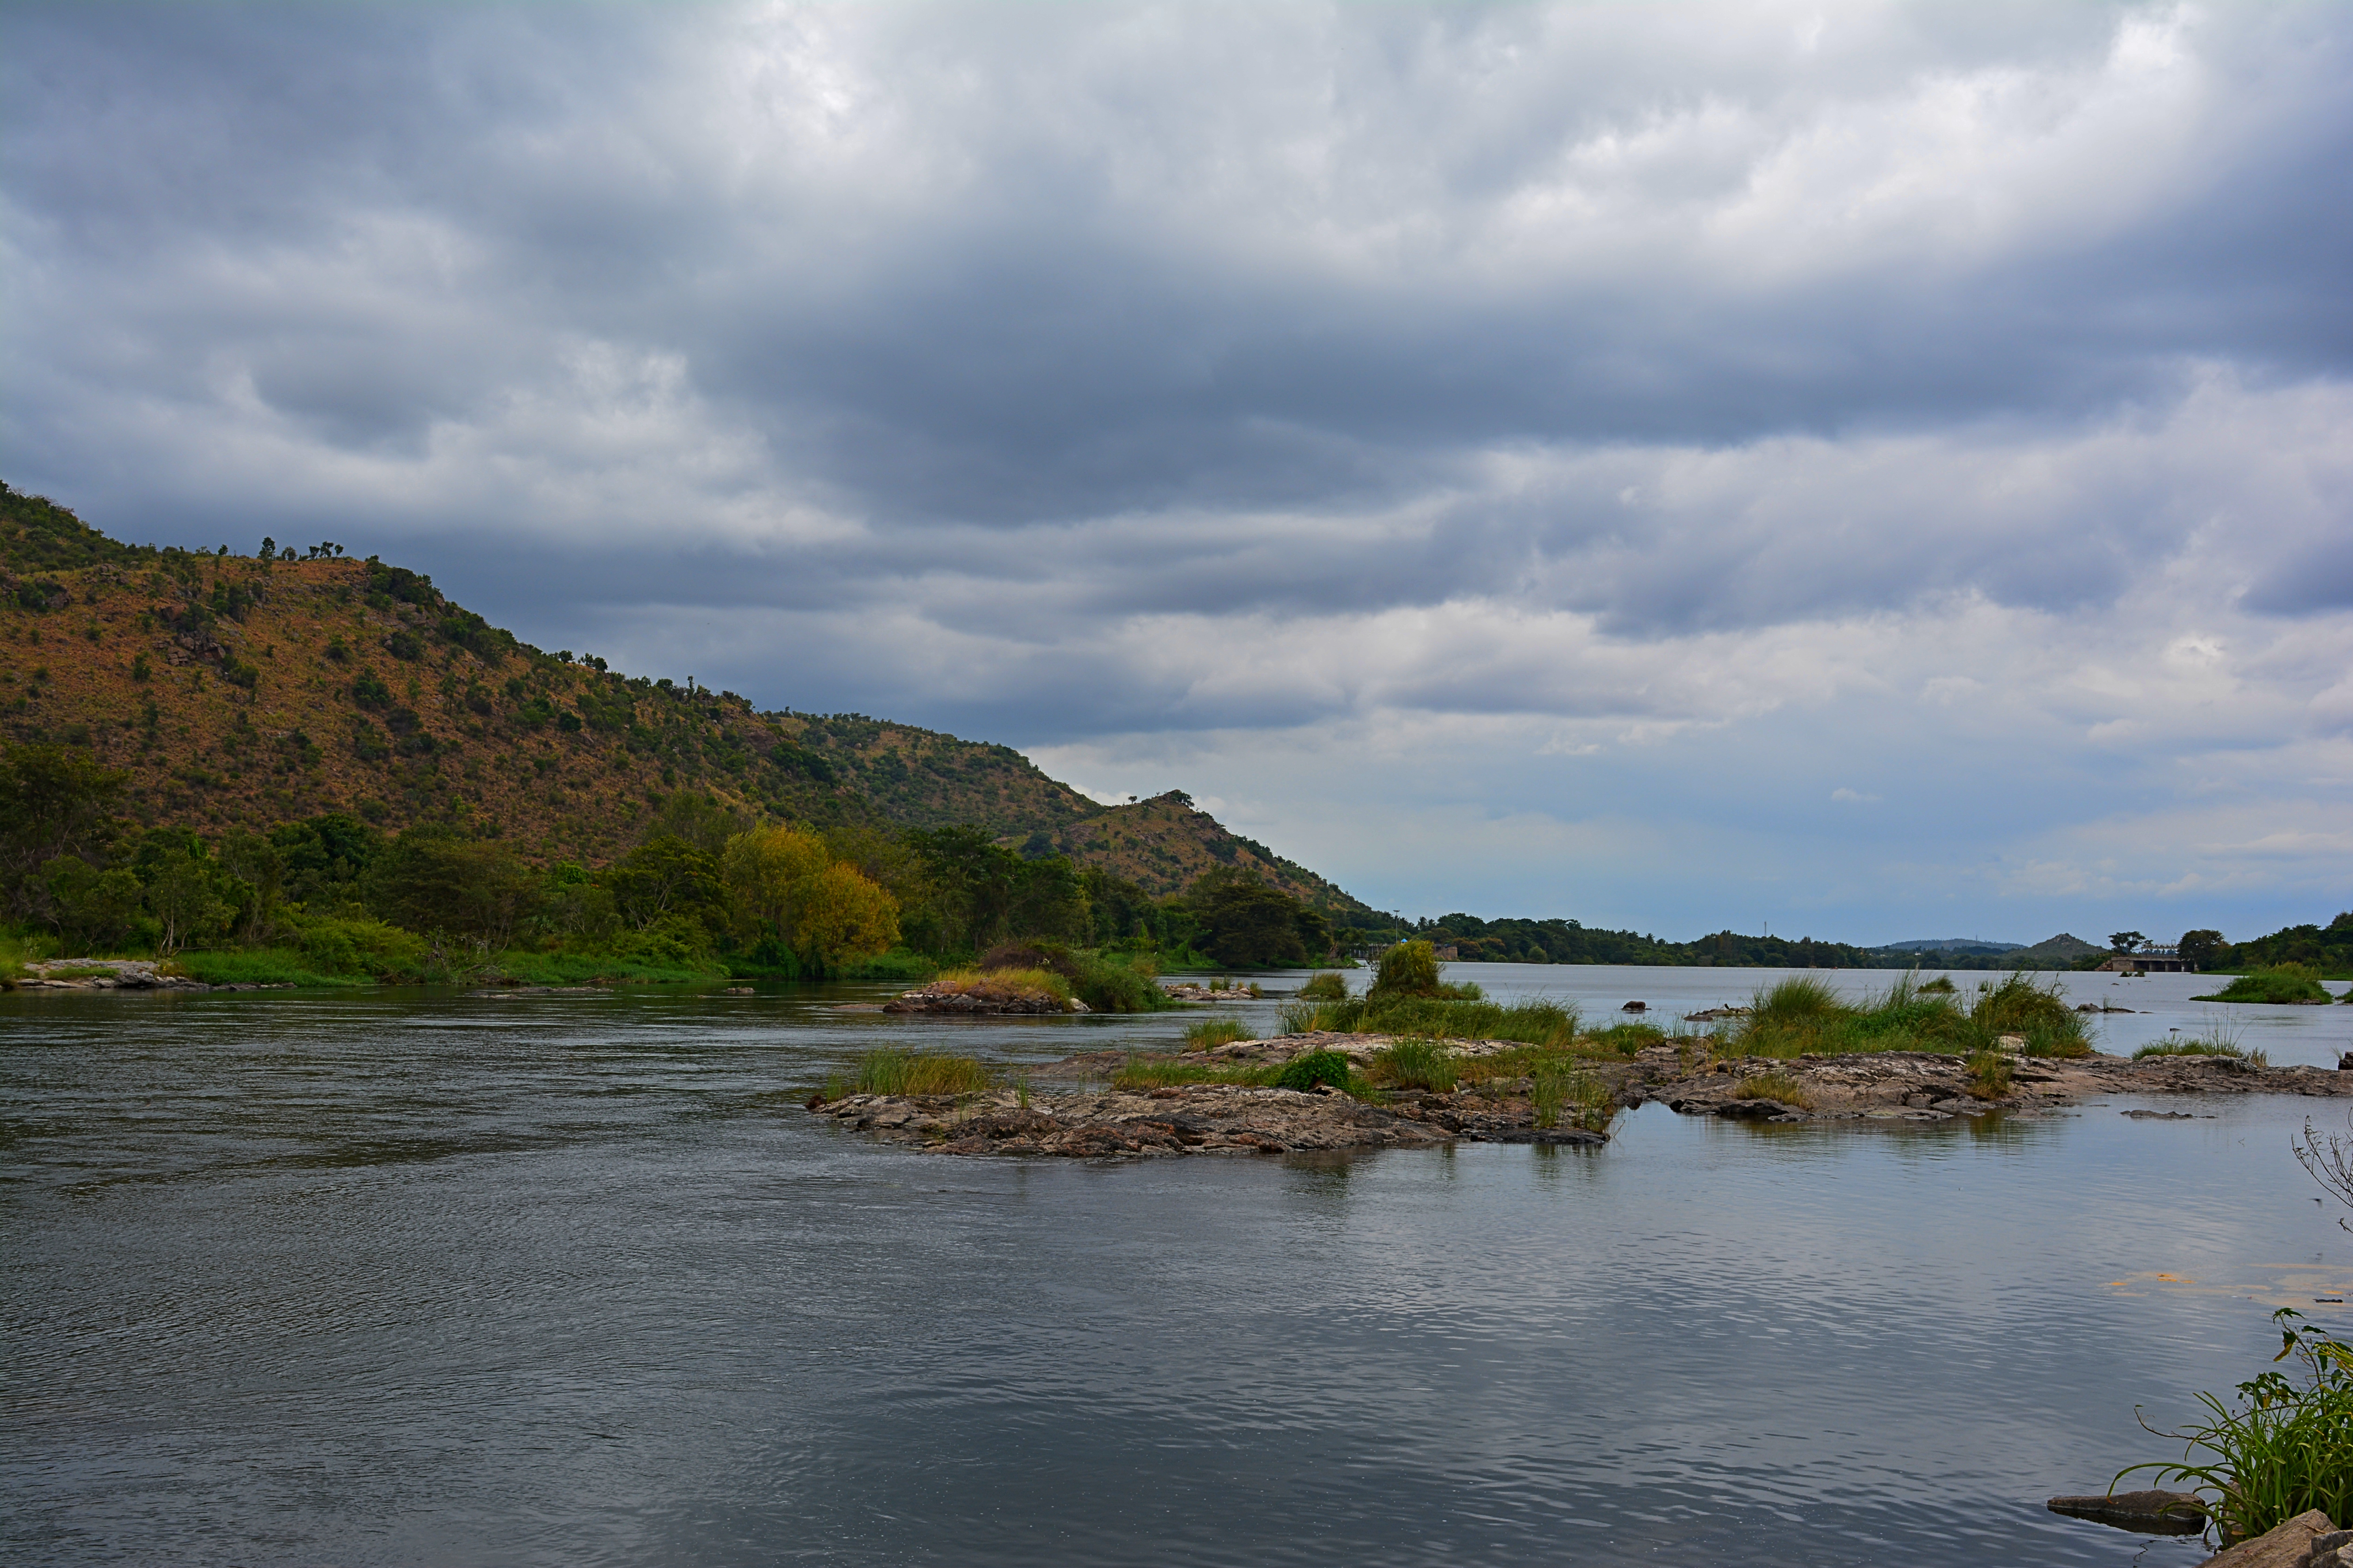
1778 1087
1418 1064
1988 1075
2280 984
1309 1069
1328 985
1005 984
1210 1032
913 1073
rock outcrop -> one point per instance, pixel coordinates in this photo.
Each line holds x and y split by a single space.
112 974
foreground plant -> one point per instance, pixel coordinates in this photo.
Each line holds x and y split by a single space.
912 1073
1210 1032
2285 1450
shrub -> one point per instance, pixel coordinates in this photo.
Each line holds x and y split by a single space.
1327 986
1210 1032
1627 1039
2217 1041
1418 1064
1309 1069
1942 985
1409 969
1555 1089
2287 1450
1116 982
1006 984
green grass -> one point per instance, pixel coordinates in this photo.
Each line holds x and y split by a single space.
2285 984
1006 984
1210 1032
1118 983
260 966
2284 1448
1625 1039
12 963
1558 1090
1531 1020
1418 1064
913 1073
2217 1041
1988 1075
1310 1068
1803 1016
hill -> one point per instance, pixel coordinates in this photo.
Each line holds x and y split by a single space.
245 691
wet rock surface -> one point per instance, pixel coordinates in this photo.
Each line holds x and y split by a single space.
2148 1512
1896 1087
979 1004
116 974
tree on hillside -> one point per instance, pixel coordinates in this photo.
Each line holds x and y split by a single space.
768 872
2127 942
186 891
664 875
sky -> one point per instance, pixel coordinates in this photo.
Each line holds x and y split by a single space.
1868 471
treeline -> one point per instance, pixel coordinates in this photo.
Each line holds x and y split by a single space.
1514 941
707 889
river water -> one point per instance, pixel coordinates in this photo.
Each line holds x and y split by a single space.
573 1279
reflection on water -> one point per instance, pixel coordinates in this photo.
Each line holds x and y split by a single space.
575 1280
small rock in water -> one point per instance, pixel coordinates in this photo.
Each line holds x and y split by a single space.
1635 1007
2150 1512
2158 1115
2345 1062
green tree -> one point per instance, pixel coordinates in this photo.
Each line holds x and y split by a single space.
259 868
2127 942
2197 948
184 891
432 881
665 876
843 916
1244 922
53 801
91 909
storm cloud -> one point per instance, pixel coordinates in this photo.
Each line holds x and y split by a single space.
1857 465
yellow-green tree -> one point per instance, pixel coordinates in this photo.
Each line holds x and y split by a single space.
785 883
844 915
766 871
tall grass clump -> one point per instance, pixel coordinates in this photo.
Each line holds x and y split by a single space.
1558 1090
2284 1448
1625 1039
1803 1016
1418 1064
1105 982
2023 1005
2282 983
1326 986
1988 1075
915 1073
2219 1040
1303 1017
1210 1032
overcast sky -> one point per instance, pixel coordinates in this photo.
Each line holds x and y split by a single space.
1884 471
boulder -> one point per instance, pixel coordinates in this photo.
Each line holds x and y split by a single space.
2287 1545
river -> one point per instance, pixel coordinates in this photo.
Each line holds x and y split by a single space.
391 1278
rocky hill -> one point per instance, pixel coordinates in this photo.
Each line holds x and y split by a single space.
242 691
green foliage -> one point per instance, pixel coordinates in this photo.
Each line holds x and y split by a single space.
2021 1005
2284 1447
2219 1040
1328 985
1409 969
432 881
2285 984
1115 983
1310 1068
1626 1039
92 909
2198 949
53 802
1247 923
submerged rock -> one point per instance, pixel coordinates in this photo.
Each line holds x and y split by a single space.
2289 1546
2149 1512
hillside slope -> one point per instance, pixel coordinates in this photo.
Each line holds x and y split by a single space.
241 692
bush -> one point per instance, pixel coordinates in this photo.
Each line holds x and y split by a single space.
1409 969
2021 1006
2285 983
1778 1087
1007 985
1988 1075
1310 1068
1326 986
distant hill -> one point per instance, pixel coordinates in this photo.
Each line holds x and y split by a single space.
238 692
1949 945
